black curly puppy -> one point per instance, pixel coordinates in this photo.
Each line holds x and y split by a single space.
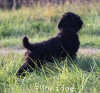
64 44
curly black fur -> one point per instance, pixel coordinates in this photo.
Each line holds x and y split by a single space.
64 44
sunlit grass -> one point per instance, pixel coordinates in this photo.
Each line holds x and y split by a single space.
90 41
57 77
42 21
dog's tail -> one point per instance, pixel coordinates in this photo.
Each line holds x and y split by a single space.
26 43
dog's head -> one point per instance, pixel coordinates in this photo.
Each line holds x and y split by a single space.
70 21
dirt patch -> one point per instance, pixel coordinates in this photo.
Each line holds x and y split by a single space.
89 51
11 50
85 51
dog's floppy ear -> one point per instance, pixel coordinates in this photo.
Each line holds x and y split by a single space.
60 25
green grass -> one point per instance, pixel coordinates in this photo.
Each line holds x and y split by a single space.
90 41
82 77
42 22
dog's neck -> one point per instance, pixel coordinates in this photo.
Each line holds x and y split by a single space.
68 31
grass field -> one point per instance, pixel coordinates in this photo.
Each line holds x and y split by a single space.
82 77
40 23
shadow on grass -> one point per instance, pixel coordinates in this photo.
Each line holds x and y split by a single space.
83 63
88 63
